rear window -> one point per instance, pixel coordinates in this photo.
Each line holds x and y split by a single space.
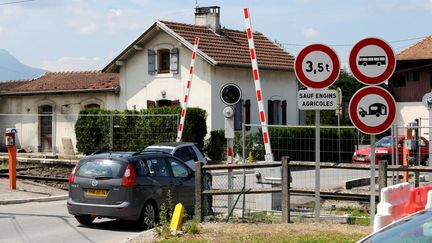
100 168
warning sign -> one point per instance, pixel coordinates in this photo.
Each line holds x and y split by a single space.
317 99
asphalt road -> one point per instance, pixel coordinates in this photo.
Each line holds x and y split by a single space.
50 222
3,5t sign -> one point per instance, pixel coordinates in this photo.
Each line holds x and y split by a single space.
317 66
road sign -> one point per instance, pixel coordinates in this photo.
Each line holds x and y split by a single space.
317 66
427 101
317 99
372 110
372 61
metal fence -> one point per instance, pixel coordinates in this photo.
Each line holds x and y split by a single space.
56 133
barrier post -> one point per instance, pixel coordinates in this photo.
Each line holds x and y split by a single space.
382 175
285 190
187 91
10 143
198 191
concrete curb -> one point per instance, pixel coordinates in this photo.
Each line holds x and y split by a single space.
35 199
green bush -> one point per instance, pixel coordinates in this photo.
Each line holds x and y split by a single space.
298 143
135 130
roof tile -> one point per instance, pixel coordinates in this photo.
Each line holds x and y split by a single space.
231 47
421 50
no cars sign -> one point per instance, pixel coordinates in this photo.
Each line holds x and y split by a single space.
372 110
317 66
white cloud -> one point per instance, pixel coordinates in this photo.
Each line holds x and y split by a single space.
73 64
309 33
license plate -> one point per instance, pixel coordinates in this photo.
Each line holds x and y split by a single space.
360 158
97 193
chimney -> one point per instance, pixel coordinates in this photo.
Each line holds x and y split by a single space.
208 16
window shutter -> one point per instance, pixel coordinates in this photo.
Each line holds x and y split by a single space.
151 62
270 112
176 103
284 112
174 65
151 104
248 114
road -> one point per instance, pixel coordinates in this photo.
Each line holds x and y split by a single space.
50 222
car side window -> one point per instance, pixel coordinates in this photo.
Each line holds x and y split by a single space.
184 153
141 168
157 167
179 170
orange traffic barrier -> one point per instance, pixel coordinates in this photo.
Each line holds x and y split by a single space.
417 199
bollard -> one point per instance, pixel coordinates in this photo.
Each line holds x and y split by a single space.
285 190
177 218
198 191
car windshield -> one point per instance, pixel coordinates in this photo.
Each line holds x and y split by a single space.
100 169
414 228
385 142
167 150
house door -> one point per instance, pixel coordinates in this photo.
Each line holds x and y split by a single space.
45 128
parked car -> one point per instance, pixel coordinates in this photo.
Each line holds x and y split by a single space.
188 152
129 186
414 228
383 150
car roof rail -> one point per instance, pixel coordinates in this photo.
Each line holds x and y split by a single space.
99 152
153 151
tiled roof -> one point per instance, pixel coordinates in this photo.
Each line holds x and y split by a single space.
419 51
230 47
63 81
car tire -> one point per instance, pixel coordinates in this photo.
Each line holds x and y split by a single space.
424 162
149 215
85 219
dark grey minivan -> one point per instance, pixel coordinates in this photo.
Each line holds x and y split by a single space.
129 186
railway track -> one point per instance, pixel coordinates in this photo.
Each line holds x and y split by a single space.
38 178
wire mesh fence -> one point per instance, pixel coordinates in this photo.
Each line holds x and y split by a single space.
70 134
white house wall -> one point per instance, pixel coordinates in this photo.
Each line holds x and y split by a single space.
408 111
137 86
281 85
22 112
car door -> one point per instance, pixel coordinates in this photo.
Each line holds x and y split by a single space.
161 178
184 185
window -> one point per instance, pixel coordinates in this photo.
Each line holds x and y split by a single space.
157 167
179 170
238 115
413 75
163 61
92 106
185 153
277 112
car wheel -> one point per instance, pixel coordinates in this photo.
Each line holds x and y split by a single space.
149 214
85 219
424 161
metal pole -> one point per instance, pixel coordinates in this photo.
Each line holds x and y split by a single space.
397 152
111 132
394 150
54 133
244 170
230 172
372 180
430 143
317 166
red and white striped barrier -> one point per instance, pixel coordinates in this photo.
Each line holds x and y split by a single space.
187 91
259 94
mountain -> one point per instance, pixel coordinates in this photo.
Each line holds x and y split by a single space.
12 69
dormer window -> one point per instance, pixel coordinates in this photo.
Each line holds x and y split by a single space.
163 60
163 56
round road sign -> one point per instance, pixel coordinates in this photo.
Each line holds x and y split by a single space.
372 61
317 66
372 110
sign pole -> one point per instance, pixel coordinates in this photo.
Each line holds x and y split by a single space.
430 145
317 166
372 180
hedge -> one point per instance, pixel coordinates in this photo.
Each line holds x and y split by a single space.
298 143
135 130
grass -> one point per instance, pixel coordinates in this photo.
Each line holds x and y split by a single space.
356 213
257 233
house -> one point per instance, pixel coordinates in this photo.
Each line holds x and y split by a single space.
154 69
45 109
411 80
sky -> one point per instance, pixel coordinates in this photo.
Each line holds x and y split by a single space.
71 35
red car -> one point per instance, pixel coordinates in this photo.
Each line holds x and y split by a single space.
383 151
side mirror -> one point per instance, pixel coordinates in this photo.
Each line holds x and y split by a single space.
195 158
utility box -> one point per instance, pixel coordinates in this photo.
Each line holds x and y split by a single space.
410 144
